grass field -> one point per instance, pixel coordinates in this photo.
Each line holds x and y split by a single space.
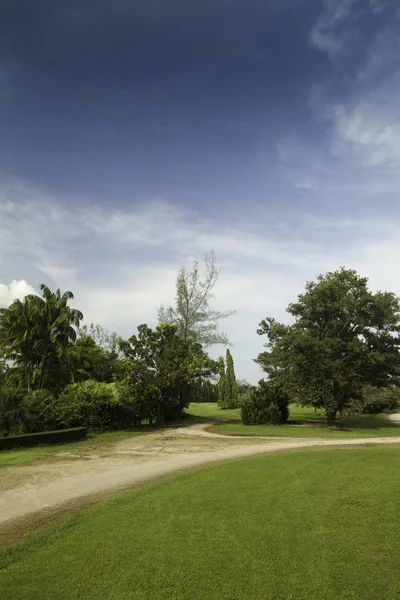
317 525
303 422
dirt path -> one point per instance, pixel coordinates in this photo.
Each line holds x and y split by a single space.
29 489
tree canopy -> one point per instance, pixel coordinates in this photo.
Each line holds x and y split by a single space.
35 335
160 365
343 338
192 315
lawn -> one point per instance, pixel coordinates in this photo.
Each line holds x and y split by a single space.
317 524
210 410
303 422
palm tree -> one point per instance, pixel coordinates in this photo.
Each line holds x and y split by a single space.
16 340
35 335
54 332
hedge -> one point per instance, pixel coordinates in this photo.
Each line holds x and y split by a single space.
43 437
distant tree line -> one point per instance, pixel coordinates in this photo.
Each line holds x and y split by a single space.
56 372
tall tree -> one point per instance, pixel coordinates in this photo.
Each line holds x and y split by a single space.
159 367
231 386
221 383
344 337
17 324
192 315
101 336
35 335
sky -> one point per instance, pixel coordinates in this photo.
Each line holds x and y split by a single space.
135 136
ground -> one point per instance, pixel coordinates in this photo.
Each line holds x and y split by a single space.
37 480
315 524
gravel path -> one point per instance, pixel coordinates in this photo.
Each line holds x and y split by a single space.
134 461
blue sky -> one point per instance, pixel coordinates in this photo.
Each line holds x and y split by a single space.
136 136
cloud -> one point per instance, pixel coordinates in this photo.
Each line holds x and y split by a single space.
338 30
122 264
16 290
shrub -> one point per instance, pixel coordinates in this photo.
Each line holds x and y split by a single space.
19 410
92 404
376 400
267 403
44 437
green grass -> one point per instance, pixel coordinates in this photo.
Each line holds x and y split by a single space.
94 442
303 422
316 525
210 410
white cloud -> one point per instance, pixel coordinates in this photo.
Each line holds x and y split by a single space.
327 34
336 30
121 273
371 132
16 290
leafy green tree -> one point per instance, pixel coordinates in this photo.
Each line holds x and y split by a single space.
160 367
231 386
244 388
17 341
107 340
35 336
192 315
19 411
221 383
343 338
91 361
203 390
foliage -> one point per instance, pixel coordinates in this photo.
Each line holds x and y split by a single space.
44 437
93 404
315 524
102 337
88 360
203 390
160 366
377 400
221 383
19 411
268 403
344 337
244 388
192 315
231 386
35 336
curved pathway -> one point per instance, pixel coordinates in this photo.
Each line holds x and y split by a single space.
137 459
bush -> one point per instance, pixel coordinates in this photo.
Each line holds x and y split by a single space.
376 400
44 437
92 404
267 404
19 410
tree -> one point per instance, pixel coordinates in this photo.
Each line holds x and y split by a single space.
221 383
159 367
88 360
244 388
267 403
231 386
35 336
344 337
192 315
102 337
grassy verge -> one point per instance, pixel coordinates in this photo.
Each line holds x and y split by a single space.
304 422
354 427
315 525
94 443
210 410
